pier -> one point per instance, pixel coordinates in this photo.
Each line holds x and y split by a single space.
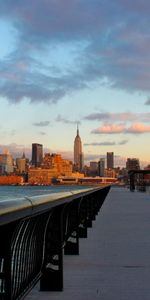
36 232
112 258
114 261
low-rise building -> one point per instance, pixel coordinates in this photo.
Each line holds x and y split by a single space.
11 180
41 176
110 173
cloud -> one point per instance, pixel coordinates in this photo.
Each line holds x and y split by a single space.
100 144
135 128
123 142
138 128
115 117
42 123
109 116
66 121
16 150
109 129
107 143
42 133
108 40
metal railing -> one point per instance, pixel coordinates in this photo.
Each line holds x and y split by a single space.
36 232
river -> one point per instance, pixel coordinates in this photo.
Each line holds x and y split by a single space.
15 192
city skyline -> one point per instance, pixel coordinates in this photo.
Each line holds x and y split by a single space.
69 62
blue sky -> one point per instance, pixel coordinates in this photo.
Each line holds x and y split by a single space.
69 61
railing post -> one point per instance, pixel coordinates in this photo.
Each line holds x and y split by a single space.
132 183
52 271
89 212
5 263
72 243
82 228
82 231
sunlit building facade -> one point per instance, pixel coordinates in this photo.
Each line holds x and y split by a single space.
21 164
55 161
6 163
53 165
41 176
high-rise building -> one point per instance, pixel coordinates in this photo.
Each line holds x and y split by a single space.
6 163
110 160
78 155
101 167
37 154
132 164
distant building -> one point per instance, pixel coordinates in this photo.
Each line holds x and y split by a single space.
55 161
110 160
37 154
21 165
53 166
110 173
101 167
93 169
6 163
78 154
41 176
132 164
11 180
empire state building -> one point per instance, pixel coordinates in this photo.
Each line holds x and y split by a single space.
78 155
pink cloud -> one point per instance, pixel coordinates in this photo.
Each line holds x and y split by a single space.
138 128
110 128
135 128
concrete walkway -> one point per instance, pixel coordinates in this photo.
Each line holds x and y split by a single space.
114 261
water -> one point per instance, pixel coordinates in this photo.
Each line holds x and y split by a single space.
16 192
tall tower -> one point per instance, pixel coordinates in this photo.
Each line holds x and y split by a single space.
37 154
78 155
110 160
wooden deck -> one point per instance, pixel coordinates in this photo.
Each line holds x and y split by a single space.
114 261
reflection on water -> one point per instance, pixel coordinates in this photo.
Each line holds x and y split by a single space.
15 192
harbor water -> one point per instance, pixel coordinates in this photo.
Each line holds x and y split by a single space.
15 192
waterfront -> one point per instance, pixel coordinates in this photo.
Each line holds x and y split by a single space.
15 192
114 261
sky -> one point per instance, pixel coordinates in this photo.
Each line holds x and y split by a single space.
64 62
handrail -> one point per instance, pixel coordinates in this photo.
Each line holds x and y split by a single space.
12 210
36 231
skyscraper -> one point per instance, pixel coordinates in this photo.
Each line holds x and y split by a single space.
78 155
101 167
37 154
110 160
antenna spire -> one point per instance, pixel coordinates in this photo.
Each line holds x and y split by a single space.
77 128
